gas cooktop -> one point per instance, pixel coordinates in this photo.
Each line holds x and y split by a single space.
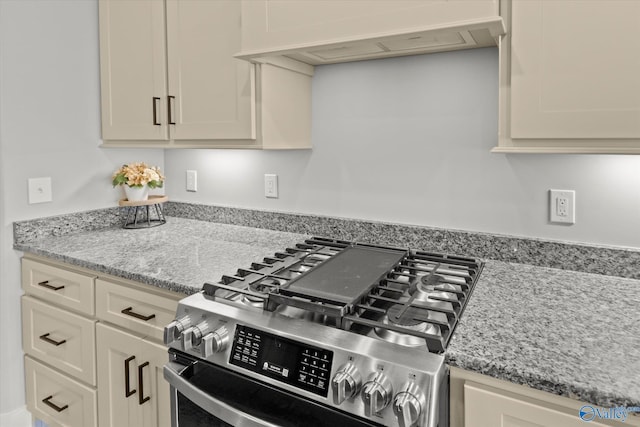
407 297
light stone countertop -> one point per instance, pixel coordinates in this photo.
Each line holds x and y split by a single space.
569 333
180 255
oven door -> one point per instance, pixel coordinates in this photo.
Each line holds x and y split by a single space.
203 394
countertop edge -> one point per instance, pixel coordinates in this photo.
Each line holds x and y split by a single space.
493 370
109 271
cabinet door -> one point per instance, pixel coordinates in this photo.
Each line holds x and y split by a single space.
132 390
488 408
156 412
133 69
574 69
212 94
118 360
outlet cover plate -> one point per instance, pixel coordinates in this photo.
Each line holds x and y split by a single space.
562 206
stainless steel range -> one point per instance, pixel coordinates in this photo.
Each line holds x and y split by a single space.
327 333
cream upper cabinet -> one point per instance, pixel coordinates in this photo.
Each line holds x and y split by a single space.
212 94
170 79
133 71
569 76
167 71
320 31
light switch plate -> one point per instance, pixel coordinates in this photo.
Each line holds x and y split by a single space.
271 185
40 190
192 180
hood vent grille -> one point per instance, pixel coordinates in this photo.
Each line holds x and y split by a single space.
463 36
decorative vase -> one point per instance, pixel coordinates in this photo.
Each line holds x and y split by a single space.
136 194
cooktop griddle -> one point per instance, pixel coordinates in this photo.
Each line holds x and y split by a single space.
347 276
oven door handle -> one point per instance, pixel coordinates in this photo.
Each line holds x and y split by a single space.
219 409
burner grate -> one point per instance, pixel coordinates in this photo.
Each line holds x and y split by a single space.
427 288
375 290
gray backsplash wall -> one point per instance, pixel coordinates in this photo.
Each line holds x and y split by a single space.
408 140
564 255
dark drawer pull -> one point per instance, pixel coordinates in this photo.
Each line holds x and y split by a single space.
170 100
141 397
45 284
46 338
128 312
47 401
127 379
155 111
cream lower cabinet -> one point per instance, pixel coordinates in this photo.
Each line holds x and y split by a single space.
58 338
133 391
58 399
569 76
93 348
481 401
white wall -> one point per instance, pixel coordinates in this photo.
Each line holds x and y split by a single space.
50 126
408 140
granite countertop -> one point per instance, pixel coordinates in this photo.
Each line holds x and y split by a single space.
180 255
569 333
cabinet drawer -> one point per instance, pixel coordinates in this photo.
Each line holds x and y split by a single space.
143 312
57 399
59 286
59 338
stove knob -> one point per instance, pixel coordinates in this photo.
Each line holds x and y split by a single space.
192 336
376 394
346 383
174 329
185 339
409 404
219 339
206 346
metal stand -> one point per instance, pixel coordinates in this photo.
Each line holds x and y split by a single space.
145 213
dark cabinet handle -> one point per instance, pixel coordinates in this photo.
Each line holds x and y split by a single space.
127 379
141 397
45 284
47 401
155 111
46 338
128 312
169 102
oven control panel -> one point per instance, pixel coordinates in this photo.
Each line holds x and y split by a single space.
290 362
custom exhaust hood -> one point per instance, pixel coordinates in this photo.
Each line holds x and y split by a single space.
268 37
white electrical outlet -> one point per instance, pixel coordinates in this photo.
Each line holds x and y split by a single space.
271 185
562 206
40 190
192 180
